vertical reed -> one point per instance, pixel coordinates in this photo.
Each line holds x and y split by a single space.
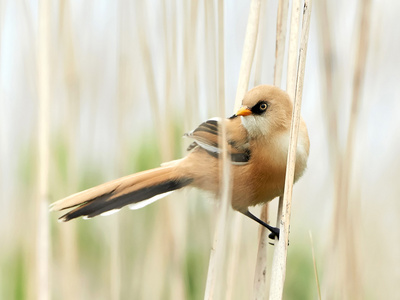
249 48
176 210
260 273
219 245
348 228
315 266
260 284
42 200
293 49
344 278
214 283
280 253
330 93
166 234
70 289
281 24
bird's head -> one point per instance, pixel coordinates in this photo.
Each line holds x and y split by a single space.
266 109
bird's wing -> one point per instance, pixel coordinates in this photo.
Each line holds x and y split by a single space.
207 136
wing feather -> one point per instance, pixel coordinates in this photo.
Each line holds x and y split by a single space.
207 136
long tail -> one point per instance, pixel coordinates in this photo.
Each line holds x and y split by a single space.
135 190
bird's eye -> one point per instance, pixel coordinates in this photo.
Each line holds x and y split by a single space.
263 106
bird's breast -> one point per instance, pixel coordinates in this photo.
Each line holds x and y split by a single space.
259 181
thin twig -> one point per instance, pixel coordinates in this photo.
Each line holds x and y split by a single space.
280 253
315 266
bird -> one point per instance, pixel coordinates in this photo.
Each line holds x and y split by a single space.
257 141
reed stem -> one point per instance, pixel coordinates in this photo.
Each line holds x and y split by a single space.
280 254
43 228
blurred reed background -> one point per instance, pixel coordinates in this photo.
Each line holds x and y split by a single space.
116 71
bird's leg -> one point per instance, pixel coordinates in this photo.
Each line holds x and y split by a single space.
274 230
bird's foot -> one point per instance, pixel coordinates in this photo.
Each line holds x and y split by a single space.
274 234
274 230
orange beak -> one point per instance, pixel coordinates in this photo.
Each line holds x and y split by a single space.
244 111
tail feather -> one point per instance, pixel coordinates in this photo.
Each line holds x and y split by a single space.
135 190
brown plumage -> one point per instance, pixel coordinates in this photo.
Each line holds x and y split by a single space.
257 143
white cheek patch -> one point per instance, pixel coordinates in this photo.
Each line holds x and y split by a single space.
255 125
249 123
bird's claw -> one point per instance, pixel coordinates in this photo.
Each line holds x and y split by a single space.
274 234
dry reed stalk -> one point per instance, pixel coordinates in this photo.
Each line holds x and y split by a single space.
330 88
69 252
211 51
315 266
280 253
344 277
350 213
176 210
152 289
187 86
260 280
281 25
43 230
329 74
249 48
190 50
150 76
216 262
219 243
234 249
123 98
259 54
260 283
293 49
260 274
173 235
216 265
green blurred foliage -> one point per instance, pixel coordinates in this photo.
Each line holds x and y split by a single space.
300 281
